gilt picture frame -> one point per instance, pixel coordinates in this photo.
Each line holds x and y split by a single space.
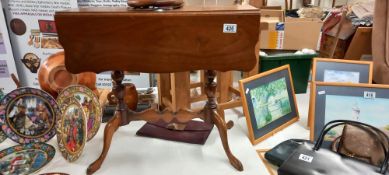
269 103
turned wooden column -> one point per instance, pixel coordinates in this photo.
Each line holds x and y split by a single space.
210 91
119 92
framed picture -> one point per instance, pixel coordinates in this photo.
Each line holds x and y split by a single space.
367 103
269 102
342 71
272 169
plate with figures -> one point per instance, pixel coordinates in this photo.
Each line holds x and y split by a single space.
1 94
28 115
2 135
71 129
25 159
90 103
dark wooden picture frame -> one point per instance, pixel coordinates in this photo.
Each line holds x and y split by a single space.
260 121
352 102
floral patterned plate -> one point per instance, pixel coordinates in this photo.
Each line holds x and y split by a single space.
2 136
28 115
1 94
25 159
71 129
90 104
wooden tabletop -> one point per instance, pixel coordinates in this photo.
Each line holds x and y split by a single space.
159 41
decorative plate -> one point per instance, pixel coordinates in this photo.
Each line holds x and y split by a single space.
2 136
1 94
71 129
28 115
90 104
25 159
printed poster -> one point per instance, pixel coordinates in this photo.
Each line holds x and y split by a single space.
33 33
141 80
102 3
7 63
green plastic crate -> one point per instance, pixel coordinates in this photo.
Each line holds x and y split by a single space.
300 66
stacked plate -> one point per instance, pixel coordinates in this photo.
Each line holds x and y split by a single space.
79 122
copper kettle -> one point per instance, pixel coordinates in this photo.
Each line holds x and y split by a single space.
53 76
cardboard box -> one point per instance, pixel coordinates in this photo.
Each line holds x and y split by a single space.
270 15
289 33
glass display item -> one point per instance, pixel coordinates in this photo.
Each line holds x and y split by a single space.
71 129
28 115
25 159
89 102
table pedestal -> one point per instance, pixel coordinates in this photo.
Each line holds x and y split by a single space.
123 116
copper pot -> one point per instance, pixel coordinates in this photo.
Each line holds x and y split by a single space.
53 76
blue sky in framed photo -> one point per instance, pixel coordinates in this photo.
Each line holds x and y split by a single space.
371 111
341 76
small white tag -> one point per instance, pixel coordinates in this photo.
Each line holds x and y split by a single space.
280 39
247 90
369 95
230 28
321 92
306 158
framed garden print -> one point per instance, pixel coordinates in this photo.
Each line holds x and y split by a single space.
366 103
269 102
342 71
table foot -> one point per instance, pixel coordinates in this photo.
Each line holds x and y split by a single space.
109 130
222 127
230 124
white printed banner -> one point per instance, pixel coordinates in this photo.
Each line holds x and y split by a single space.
7 63
102 3
33 33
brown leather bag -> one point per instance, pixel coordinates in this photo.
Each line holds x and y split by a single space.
360 143
155 3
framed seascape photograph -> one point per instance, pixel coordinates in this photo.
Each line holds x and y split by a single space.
366 103
269 102
342 71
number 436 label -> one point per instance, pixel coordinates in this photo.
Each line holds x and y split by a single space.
230 28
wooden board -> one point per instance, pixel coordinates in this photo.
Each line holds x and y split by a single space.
361 44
